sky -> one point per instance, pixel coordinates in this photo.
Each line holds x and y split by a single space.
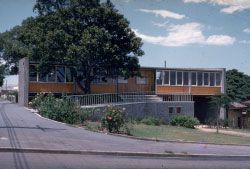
184 33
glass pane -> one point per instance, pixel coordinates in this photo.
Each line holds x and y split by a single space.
199 77
166 77
185 78
69 75
42 77
179 78
159 77
178 109
52 75
170 110
60 74
206 80
32 73
141 80
212 80
194 78
218 79
172 78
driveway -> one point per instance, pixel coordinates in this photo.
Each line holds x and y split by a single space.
20 128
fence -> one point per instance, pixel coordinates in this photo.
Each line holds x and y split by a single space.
130 97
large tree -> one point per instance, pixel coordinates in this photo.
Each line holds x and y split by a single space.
237 85
91 36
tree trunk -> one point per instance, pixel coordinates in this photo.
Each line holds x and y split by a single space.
217 121
87 89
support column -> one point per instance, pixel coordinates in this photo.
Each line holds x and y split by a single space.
23 82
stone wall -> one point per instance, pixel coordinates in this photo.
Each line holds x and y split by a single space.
152 109
23 82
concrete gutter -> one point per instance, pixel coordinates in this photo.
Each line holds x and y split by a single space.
119 153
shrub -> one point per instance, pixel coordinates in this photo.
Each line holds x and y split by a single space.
113 119
57 109
184 121
153 121
36 102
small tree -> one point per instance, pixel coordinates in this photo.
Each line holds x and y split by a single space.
219 101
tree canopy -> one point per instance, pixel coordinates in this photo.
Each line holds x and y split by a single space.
237 85
91 36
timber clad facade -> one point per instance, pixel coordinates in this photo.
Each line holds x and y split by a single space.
198 83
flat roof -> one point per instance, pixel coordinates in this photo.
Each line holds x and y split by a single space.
177 68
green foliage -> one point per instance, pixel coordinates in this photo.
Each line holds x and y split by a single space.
113 119
36 102
184 121
57 109
237 85
151 121
90 35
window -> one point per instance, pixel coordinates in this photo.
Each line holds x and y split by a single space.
178 110
122 80
69 74
171 110
206 79
194 78
159 77
185 78
172 77
179 78
141 80
60 74
218 79
166 77
212 79
32 73
42 77
199 78
52 75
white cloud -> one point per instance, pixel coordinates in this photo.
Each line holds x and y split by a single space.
247 30
230 6
245 42
161 25
182 35
220 40
164 13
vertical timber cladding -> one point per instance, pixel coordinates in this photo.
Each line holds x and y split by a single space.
23 82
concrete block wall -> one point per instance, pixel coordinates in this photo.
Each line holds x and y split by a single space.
151 109
23 82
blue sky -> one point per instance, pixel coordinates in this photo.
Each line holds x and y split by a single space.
185 33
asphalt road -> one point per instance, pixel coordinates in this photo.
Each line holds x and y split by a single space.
50 161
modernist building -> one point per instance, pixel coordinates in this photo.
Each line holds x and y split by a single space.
199 83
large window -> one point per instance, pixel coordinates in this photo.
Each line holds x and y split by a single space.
212 79
122 80
185 78
206 79
199 78
42 77
172 77
60 74
194 78
218 79
69 74
52 75
166 77
159 77
32 73
179 78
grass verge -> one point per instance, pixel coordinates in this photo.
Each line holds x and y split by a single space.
170 133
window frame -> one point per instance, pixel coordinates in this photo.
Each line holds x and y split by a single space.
192 78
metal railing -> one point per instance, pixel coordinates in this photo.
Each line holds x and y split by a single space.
129 97
111 98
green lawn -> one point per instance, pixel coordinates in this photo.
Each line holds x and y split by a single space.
167 132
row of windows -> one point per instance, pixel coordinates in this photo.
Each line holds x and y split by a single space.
177 110
63 74
184 78
59 74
